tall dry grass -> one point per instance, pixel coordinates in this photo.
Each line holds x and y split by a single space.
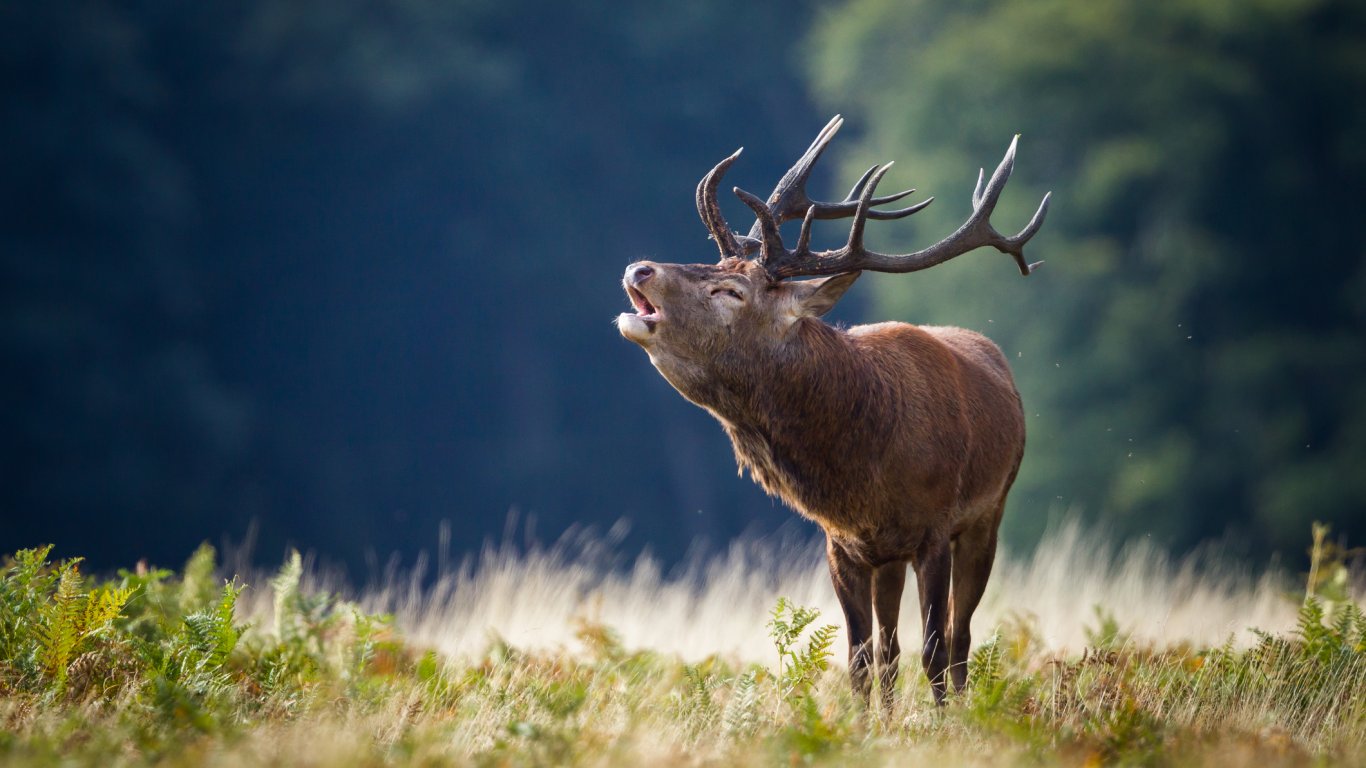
538 597
549 655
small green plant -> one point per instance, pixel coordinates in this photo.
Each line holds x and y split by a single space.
696 704
799 667
50 618
986 673
1106 635
741 717
1329 578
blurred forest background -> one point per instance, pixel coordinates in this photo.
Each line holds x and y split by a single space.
349 269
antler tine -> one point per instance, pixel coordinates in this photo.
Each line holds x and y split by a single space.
974 233
850 202
1028 232
900 212
795 178
986 199
710 211
855 244
857 190
771 244
984 202
846 208
804 237
789 199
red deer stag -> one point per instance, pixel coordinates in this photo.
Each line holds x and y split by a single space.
900 441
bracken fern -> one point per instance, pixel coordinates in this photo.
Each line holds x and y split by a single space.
158 670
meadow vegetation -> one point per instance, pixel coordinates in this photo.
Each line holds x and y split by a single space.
151 667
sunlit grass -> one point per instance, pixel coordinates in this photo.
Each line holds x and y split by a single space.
150 667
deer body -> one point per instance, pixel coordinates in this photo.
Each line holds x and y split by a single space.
870 432
900 441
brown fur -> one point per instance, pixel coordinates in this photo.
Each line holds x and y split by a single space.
900 441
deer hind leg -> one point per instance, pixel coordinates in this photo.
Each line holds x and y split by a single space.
854 588
888 582
932 569
973 554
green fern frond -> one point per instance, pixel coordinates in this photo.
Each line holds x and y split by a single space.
816 656
198 587
103 606
778 627
29 563
802 617
212 633
699 687
697 699
24 593
1310 618
286 586
61 630
741 713
986 663
1347 625
798 669
226 634
821 641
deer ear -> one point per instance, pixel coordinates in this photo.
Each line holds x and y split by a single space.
816 297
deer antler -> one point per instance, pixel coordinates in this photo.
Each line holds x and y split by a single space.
789 201
710 211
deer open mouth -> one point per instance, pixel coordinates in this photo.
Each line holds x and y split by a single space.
639 326
644 309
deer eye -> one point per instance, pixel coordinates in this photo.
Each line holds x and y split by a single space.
729 291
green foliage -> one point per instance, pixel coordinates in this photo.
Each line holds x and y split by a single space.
289 608
212 633
158 678
59 628
1106 635
799 667
51 621
742 711
1190 356
987 681
198 584
1329 578
698 705
803 658
320 644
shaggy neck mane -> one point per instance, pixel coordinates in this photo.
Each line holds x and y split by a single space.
795 416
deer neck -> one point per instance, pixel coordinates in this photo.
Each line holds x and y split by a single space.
771 389
787 411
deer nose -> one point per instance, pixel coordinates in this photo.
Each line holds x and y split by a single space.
639 273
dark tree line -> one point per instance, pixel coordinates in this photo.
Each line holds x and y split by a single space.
348 270
1193 355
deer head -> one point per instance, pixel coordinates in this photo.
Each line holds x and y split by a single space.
704 323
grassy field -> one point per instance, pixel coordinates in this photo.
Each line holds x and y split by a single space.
1083 656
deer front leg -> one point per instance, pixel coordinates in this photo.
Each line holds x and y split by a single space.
854 588
932 570
888 582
